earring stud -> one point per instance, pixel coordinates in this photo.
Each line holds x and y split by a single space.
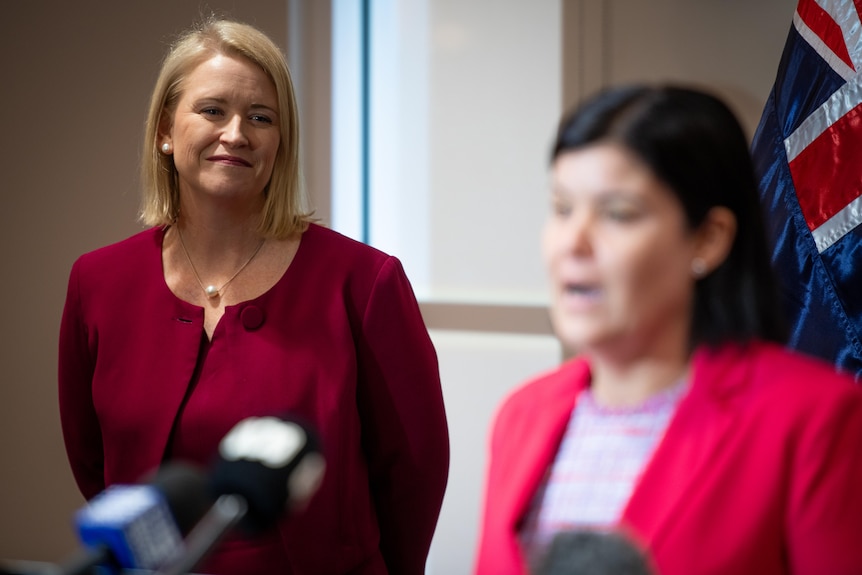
698 267
166 147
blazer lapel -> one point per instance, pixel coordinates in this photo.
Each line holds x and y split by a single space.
690 447
541 432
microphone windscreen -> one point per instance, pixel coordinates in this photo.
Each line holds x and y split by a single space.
186 489
587 552
274 463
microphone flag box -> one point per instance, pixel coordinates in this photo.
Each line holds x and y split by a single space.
134 522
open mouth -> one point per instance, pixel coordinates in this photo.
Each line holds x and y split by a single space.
582 290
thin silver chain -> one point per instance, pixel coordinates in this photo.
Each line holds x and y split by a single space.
211 291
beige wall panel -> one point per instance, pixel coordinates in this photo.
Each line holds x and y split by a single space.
730 46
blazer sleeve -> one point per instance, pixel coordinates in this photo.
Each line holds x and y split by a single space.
824 520
404 430
81 432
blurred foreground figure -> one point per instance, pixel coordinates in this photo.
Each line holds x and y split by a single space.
681 421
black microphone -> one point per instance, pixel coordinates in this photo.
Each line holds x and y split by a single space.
587 552
139 526
266 466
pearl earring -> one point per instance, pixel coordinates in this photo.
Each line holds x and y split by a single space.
166 148
698 267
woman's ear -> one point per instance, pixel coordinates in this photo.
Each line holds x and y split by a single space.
713 240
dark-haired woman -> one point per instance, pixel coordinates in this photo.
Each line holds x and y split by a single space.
681 421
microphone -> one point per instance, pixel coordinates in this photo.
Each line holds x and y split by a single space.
586 552
139 526
265 467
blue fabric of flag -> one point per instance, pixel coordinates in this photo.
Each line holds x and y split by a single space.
821 292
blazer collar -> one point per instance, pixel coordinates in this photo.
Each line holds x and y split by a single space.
703 420
548 414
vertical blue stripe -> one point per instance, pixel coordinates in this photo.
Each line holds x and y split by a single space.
366 119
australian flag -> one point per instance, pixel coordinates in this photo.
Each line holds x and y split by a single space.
808 155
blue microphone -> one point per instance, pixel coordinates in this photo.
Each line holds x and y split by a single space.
265 467
133 523
140 526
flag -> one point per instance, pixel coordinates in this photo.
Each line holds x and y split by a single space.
807 152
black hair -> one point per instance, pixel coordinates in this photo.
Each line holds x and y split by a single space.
694 143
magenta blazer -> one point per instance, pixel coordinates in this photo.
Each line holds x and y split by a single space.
339 341
759 471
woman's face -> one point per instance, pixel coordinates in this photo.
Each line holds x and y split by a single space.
225 130
619 255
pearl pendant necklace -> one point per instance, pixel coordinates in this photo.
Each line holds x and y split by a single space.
211 291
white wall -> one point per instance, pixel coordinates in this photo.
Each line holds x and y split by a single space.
478 370
462 124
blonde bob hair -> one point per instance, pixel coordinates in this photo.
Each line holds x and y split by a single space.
284 211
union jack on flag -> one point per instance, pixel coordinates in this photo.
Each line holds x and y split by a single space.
808 155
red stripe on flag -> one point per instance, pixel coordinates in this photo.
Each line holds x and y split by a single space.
822 24
826 173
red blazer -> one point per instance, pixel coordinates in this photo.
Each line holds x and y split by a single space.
339 341
759 471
